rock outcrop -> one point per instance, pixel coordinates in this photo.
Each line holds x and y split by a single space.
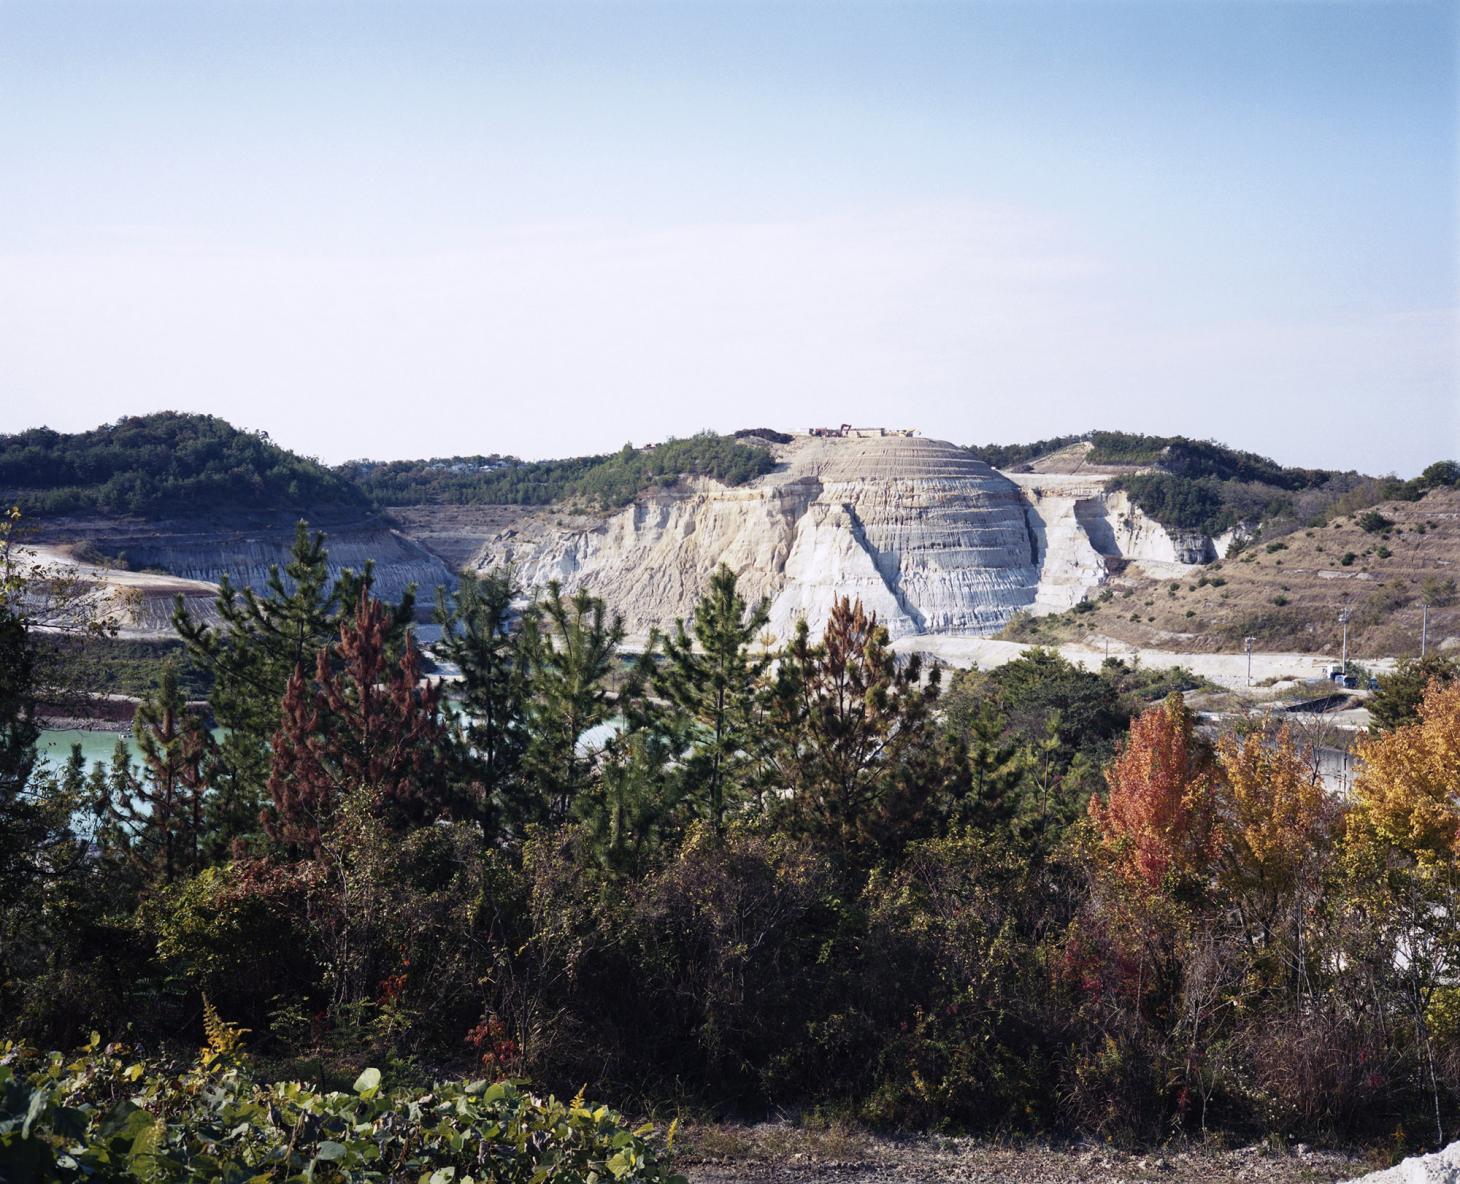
933 540
147 563
1443 1167
930 538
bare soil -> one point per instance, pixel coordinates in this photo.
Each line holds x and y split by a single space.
788 1154
1287 593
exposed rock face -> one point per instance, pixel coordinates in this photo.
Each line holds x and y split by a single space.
932 540
197 552
928 537
1073 540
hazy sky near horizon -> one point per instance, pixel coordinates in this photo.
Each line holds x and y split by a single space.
418 229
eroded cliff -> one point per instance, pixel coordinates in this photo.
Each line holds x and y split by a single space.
931 539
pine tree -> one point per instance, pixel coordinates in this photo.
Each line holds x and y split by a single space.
18 728
998 772
22 828
160 809
854 740
261 641
478 637
1397 701
364 726
631 811
713 682
570 647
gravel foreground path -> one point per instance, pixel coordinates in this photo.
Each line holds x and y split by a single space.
787 1155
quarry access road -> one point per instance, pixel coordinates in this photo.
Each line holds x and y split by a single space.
1226 670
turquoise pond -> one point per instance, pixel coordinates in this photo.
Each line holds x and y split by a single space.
96 746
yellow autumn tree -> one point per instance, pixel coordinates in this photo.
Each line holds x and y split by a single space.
1278 824
1275 812
1407 795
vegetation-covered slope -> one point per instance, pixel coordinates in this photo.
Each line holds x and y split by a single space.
167 462
1201 485
172 463
611 480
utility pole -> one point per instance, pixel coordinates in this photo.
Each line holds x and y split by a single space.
1343 620
1424 626
1248 641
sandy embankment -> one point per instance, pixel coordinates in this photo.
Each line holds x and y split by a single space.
140 602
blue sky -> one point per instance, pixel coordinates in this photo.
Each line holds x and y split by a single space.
417 229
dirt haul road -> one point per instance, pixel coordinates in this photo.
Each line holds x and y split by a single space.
1226 670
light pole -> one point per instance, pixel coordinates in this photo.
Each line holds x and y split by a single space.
1248 641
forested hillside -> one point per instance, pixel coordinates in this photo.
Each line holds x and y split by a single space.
172 463
166 463
608 481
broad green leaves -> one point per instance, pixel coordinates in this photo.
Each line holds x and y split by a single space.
61 1121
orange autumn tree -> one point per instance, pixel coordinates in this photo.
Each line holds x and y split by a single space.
1407 795
1152 843
1157 826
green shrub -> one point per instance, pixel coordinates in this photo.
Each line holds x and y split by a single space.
105 1115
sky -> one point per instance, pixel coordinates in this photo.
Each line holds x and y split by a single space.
412 229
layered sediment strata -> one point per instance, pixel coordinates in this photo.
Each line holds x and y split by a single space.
928 537
158 559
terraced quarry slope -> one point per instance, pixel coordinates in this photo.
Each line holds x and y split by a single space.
931 539
928 537
148 562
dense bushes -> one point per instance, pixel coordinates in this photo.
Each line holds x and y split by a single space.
163 463
1179 502
742 880
1012 456
464 480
